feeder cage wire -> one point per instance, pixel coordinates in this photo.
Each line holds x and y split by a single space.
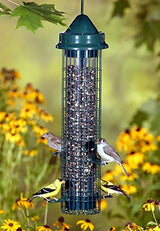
81 46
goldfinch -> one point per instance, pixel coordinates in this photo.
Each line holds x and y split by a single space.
111 189
49 191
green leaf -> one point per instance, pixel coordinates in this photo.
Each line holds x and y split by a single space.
155 123
4 10
46 11
27 18
31 14
151 223
119 7
139 118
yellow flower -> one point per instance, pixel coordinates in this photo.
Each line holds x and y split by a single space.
112 229
39 130
122 141
13 137
2 115
118 170
103 204
134 159
2 211
10 225
151 168
158 138
108 176
85 224
43 228
131 177
149 206
22 202
46 116
35 218
31 94
132 226
60 222
14 93
30 153
29 110
137 140
156 228
129 189
138 133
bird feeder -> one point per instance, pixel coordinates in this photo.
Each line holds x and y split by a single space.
81 46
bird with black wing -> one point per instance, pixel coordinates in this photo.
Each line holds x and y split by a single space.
49 191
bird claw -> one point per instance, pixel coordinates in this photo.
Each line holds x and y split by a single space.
107 196
103 162
56 153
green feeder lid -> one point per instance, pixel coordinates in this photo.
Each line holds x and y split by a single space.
82 35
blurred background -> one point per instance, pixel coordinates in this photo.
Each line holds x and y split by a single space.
129 76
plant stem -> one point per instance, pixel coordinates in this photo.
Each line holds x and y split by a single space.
154 217
13 2
46 213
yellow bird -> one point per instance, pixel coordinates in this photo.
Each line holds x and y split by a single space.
49 191
111 189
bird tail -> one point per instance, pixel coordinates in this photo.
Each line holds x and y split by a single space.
125 194
29 200
124 170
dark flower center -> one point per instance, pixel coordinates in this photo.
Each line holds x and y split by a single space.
61 219
127 131
10 224
150 200
88 221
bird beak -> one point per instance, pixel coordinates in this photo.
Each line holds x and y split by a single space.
43 136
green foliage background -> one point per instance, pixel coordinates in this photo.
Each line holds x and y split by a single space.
130 75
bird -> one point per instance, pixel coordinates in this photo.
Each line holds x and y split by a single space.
109 154
49 191
112 189
53 141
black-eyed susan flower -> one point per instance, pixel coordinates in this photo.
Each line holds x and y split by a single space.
85 224
22 202
129 189
29 110
129 226
137 140
156 228
43 228
61 224
132 176
39 130
112 229
108 176
151 168
138 133
13 137
10 225
46 116
134 159
64 229
149 205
